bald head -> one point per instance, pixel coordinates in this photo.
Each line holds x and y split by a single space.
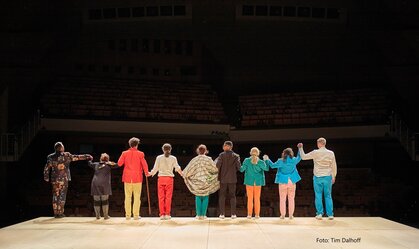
59 147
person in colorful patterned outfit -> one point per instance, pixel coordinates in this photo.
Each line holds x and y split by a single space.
57 171
201 178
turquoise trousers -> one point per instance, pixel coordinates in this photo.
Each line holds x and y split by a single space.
323 186
201 205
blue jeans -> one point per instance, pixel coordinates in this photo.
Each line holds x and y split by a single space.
201 205
323 185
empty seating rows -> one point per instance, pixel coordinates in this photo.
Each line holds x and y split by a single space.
358 106
132 100
173 101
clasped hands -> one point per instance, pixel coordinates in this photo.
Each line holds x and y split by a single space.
266 157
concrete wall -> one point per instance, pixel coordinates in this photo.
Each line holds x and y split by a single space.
266 135
149 128
348 132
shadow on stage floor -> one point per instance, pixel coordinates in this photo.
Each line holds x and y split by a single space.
87 232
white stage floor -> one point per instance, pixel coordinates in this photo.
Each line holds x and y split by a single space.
86 232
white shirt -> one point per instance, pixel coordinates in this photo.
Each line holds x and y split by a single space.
324 161
165 165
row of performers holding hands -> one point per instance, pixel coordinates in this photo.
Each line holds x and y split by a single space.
202 175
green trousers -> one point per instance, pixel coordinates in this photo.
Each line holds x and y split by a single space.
201 205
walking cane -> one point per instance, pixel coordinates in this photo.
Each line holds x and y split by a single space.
148 196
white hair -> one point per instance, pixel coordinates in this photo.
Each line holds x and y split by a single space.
322 140
166 145
254 153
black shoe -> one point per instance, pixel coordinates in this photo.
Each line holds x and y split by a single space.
61 216
107 217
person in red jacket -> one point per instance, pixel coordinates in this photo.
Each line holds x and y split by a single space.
134 165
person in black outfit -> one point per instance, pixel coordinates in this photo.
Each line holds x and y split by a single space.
101 184
228 163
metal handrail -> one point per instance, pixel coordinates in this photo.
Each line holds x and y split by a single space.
12 145
405 135
8 147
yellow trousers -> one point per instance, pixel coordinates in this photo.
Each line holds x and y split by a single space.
132 189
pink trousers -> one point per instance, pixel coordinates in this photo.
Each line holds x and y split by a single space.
287 190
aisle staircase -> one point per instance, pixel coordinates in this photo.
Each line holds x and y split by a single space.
408 138
13 145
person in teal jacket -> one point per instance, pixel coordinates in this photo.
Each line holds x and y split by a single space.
254 179
286 177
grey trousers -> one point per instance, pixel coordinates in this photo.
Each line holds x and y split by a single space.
101 200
